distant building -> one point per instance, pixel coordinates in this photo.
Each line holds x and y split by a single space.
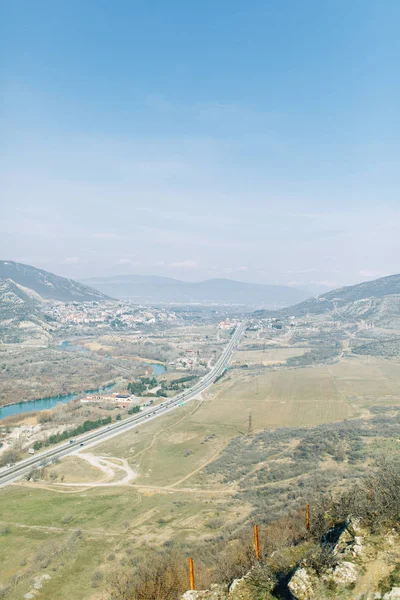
120 398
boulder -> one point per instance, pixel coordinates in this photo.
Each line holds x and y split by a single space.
301 584
394 594
216 592
345 573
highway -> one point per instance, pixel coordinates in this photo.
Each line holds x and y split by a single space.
22 468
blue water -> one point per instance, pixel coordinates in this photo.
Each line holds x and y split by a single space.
46 403
158 369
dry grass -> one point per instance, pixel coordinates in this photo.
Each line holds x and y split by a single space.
269 356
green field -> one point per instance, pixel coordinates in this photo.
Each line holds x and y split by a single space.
71 535
173 495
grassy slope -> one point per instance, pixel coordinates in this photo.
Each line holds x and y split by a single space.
115 519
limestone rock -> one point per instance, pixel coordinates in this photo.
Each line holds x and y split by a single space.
239 589
216 592
301 585
350 541
345 573
394 594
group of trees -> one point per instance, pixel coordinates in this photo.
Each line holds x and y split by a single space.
177 384
69 433
140 387
10 456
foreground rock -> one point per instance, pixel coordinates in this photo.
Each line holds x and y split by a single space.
351 564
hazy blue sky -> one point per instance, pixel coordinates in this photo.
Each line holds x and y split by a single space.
252 140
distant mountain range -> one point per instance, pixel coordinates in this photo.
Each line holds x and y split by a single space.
379 298
45 284
149 289
25 291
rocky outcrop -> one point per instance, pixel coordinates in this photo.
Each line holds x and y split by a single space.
352 563
238 590
339 571
216 592
394 594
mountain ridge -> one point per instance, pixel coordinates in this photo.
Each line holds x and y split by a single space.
163 290
349 299
48 285
25 293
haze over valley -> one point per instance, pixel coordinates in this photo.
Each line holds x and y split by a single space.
200 300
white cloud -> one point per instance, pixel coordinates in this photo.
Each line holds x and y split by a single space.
72 260
185 264
126 261
241 269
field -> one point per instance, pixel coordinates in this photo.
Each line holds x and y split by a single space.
193 475
267 356
72 535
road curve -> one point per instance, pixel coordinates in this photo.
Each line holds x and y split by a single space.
19 470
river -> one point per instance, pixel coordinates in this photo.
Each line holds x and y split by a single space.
46 403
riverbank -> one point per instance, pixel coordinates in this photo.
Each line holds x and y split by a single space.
38 404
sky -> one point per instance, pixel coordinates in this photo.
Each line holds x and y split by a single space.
258 141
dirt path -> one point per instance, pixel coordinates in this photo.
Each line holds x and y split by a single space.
108 467
203 466
102 532
155 436
117 472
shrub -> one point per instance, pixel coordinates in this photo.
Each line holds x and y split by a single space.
4 590
67 518
9 457
97 578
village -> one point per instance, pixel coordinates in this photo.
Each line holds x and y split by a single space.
112 314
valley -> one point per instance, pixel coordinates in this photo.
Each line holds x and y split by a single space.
308 404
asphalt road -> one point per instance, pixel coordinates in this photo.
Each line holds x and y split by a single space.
19 470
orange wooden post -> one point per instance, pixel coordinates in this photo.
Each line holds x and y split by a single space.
191 574
307 517
371 495
256 542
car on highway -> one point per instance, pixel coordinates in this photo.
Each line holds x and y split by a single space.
166 406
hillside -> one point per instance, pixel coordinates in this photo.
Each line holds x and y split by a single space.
47 285
154 290
24 294
377 288
377 299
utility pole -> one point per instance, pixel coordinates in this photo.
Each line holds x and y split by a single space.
250 425
191 574
256 542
